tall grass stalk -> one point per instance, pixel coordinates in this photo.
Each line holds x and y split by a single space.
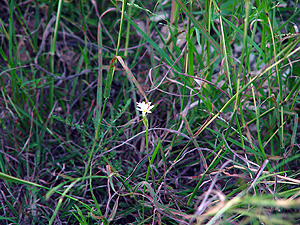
107 89
52 54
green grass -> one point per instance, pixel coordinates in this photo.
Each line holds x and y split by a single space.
220 146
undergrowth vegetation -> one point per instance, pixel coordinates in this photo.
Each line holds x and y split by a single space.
217 139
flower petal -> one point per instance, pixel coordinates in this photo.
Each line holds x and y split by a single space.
144 107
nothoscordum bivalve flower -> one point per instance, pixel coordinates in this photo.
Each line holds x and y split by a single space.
144 107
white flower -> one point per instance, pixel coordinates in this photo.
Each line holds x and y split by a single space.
144 107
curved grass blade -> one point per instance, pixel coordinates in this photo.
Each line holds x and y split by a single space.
131 76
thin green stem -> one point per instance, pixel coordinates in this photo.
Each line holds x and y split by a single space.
145 121
52 55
